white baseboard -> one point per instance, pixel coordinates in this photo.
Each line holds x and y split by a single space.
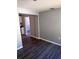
20 47
46 40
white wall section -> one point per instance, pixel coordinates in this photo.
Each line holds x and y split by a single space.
19 40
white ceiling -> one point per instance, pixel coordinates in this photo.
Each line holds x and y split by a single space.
39 5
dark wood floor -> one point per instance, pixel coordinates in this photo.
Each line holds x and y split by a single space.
38 49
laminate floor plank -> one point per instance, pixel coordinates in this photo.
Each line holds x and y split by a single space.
38 49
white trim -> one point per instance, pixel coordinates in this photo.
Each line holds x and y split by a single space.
27 11
20 47
46 40
38 27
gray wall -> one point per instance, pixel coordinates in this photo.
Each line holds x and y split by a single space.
50 25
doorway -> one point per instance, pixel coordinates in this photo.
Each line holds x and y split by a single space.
27 26
24 25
